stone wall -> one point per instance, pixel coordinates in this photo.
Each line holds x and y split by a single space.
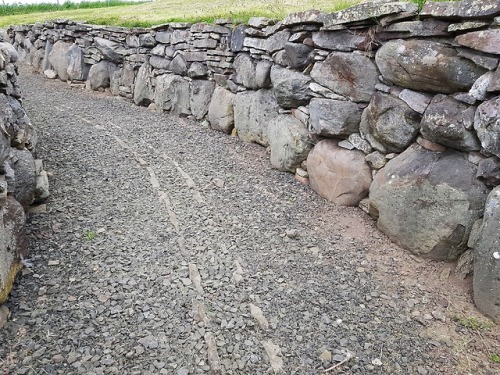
378 105
22 179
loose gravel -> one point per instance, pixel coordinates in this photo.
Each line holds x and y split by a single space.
167 248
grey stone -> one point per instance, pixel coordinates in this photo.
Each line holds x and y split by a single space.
277 41
100 74
112 51
163 37
260 22
461 9
446 121
172 94
42 187
342 40
77 70
488 171
487 62
179 65
479 89
425 65
180 36
263 73
389 124
200 96
253 112
221 110
237 38
333 118
487 125
306 17
359 143
376 160
338 175
348 74
289 142
467 26
159 50
197 70
425 205
465 265
58 58
415 100
291 88
411 29
244 71
23 164
143 87
495 81
298 55
159 62
486 281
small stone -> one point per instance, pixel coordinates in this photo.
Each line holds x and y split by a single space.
439 315
326 356
429 145
54 262
292 233
377 362
218 182
301 172
4 315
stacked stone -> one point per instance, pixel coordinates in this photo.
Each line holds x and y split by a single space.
377 100
22 179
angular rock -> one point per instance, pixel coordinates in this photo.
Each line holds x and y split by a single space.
111 51
244 71
307 17
23 164
487 125
163 37
200 97
479 89
333 118
77 70
291 88
172 94
237 38
100 74
143 87
197 70
221 110
179 65
495 81
389 124
428 201
448 122
486 281
263 74
338 175
411 29
298 55
341 40
253 112
42 187
58 58
488 171
461 9
277 41
425 65
487 62
158 62
376 160
415 100
348 74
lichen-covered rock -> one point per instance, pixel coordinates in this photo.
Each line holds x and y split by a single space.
252 113
426 66
172 94
486 282
461 9
449 122
221 110
351 75
291 88
338 175
58 58
333 118
487 125
428 201
389 124
289 142
200 96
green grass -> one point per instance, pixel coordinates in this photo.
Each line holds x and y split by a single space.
495 358
474 323
148 14
90 235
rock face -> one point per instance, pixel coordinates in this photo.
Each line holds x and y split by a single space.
334 118
172 94
221 110
289 142
338 175
427 66
389 124
143 88
291 88
487 125
58 58
200 96
23 164
100 74
487 259
252 113
77 70
428 201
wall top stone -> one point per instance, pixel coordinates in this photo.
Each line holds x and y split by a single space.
462 9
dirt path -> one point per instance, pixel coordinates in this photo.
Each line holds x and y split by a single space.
167 248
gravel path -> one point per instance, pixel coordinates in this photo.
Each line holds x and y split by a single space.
167 248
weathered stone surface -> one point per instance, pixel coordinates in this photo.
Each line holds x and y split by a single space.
42 187
461 9
298 55
112 51
179 65
14 243
487 62
289 142
100 74
487 125
163 37
237 38
291 88
467 26
349 74
159 62
342 40
197 70
338 175
488 171
221 110
333 118
143 87
485 40
479 89
376 160
308 17
23 164
389 124
448 122
415 100
428 201
277 41
486 281
411 29
172 94
263 73
495 82
244 71
367 11
200 96
58 58
77 71
252 113
426 66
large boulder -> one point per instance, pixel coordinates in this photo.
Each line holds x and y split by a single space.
77 69
389 124
449 122
291 88
111 51
487 125
58 58
221 110
99 76
426 65
428 201
200 96
143 87
487 259
352 75
172 94
333 118
253 110
289 142
338 175
23 164
244 71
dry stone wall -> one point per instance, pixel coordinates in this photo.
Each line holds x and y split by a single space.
379 105
22 179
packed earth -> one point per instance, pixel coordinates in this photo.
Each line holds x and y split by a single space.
167 248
